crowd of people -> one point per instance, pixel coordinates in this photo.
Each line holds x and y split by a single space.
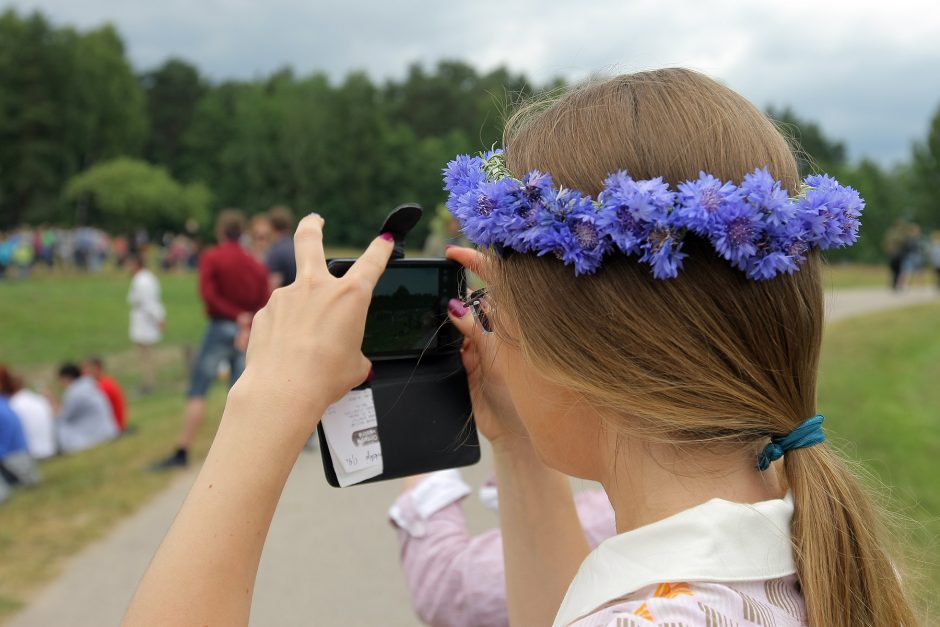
87 408
89 249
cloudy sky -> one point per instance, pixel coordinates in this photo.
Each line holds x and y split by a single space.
868 71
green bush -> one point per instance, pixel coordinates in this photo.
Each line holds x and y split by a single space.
126 193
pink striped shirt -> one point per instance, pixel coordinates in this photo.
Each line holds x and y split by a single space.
455 579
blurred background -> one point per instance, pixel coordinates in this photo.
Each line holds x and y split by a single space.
125 127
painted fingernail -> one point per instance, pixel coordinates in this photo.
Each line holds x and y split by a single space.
388 237
456 307
371 374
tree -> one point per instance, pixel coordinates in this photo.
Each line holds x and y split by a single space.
67 100
126 194
105 103
925 177
33 80
173 91
814 151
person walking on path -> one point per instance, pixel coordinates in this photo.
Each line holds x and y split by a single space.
233 285
148 317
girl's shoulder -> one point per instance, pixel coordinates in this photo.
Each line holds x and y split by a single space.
777 602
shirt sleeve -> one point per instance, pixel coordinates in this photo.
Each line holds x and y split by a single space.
210 291
454 579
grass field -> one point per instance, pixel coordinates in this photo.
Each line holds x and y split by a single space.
878 390
841 276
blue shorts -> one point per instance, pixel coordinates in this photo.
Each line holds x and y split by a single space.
218 345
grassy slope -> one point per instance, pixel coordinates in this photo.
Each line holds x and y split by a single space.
878 389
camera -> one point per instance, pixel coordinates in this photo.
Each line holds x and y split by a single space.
407 318
419 386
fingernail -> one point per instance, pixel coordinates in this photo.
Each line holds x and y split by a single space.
371 374
456 307
448 246
388 237
313 214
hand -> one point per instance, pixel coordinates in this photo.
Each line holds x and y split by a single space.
304 352
493 409
244 319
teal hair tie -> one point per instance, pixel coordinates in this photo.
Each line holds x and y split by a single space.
808 433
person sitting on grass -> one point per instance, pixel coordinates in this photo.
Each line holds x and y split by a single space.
16 465
85 418
94 367
34 412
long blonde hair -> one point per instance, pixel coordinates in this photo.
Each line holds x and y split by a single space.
709 356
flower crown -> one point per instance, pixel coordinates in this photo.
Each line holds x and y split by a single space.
754 225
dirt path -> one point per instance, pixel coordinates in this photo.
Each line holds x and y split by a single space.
330 559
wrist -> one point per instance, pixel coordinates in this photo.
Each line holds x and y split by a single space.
273 406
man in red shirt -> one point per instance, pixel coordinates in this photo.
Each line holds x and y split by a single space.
94 368
233 286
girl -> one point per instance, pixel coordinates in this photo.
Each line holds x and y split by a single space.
653 322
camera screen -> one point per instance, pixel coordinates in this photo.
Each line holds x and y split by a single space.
408 308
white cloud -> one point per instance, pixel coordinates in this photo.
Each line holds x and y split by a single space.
867 71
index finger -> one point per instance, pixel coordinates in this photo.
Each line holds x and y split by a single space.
472 260
308 247
370 266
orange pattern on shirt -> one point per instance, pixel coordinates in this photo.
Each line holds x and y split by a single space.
672 590
644 612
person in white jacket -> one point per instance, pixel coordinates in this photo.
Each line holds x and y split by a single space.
147 316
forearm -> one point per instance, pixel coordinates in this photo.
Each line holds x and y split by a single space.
204 571
543 542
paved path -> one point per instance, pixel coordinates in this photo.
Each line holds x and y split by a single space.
330 559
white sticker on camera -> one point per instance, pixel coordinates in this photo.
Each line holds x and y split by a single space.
351 429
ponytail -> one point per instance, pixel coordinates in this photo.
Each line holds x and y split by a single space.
847 575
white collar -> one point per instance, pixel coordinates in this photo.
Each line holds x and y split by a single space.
716 541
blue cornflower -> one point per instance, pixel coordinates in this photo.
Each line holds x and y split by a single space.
583 245
628 208
765 193
735 230
463 174
830 211
762 268
663 251
700 200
